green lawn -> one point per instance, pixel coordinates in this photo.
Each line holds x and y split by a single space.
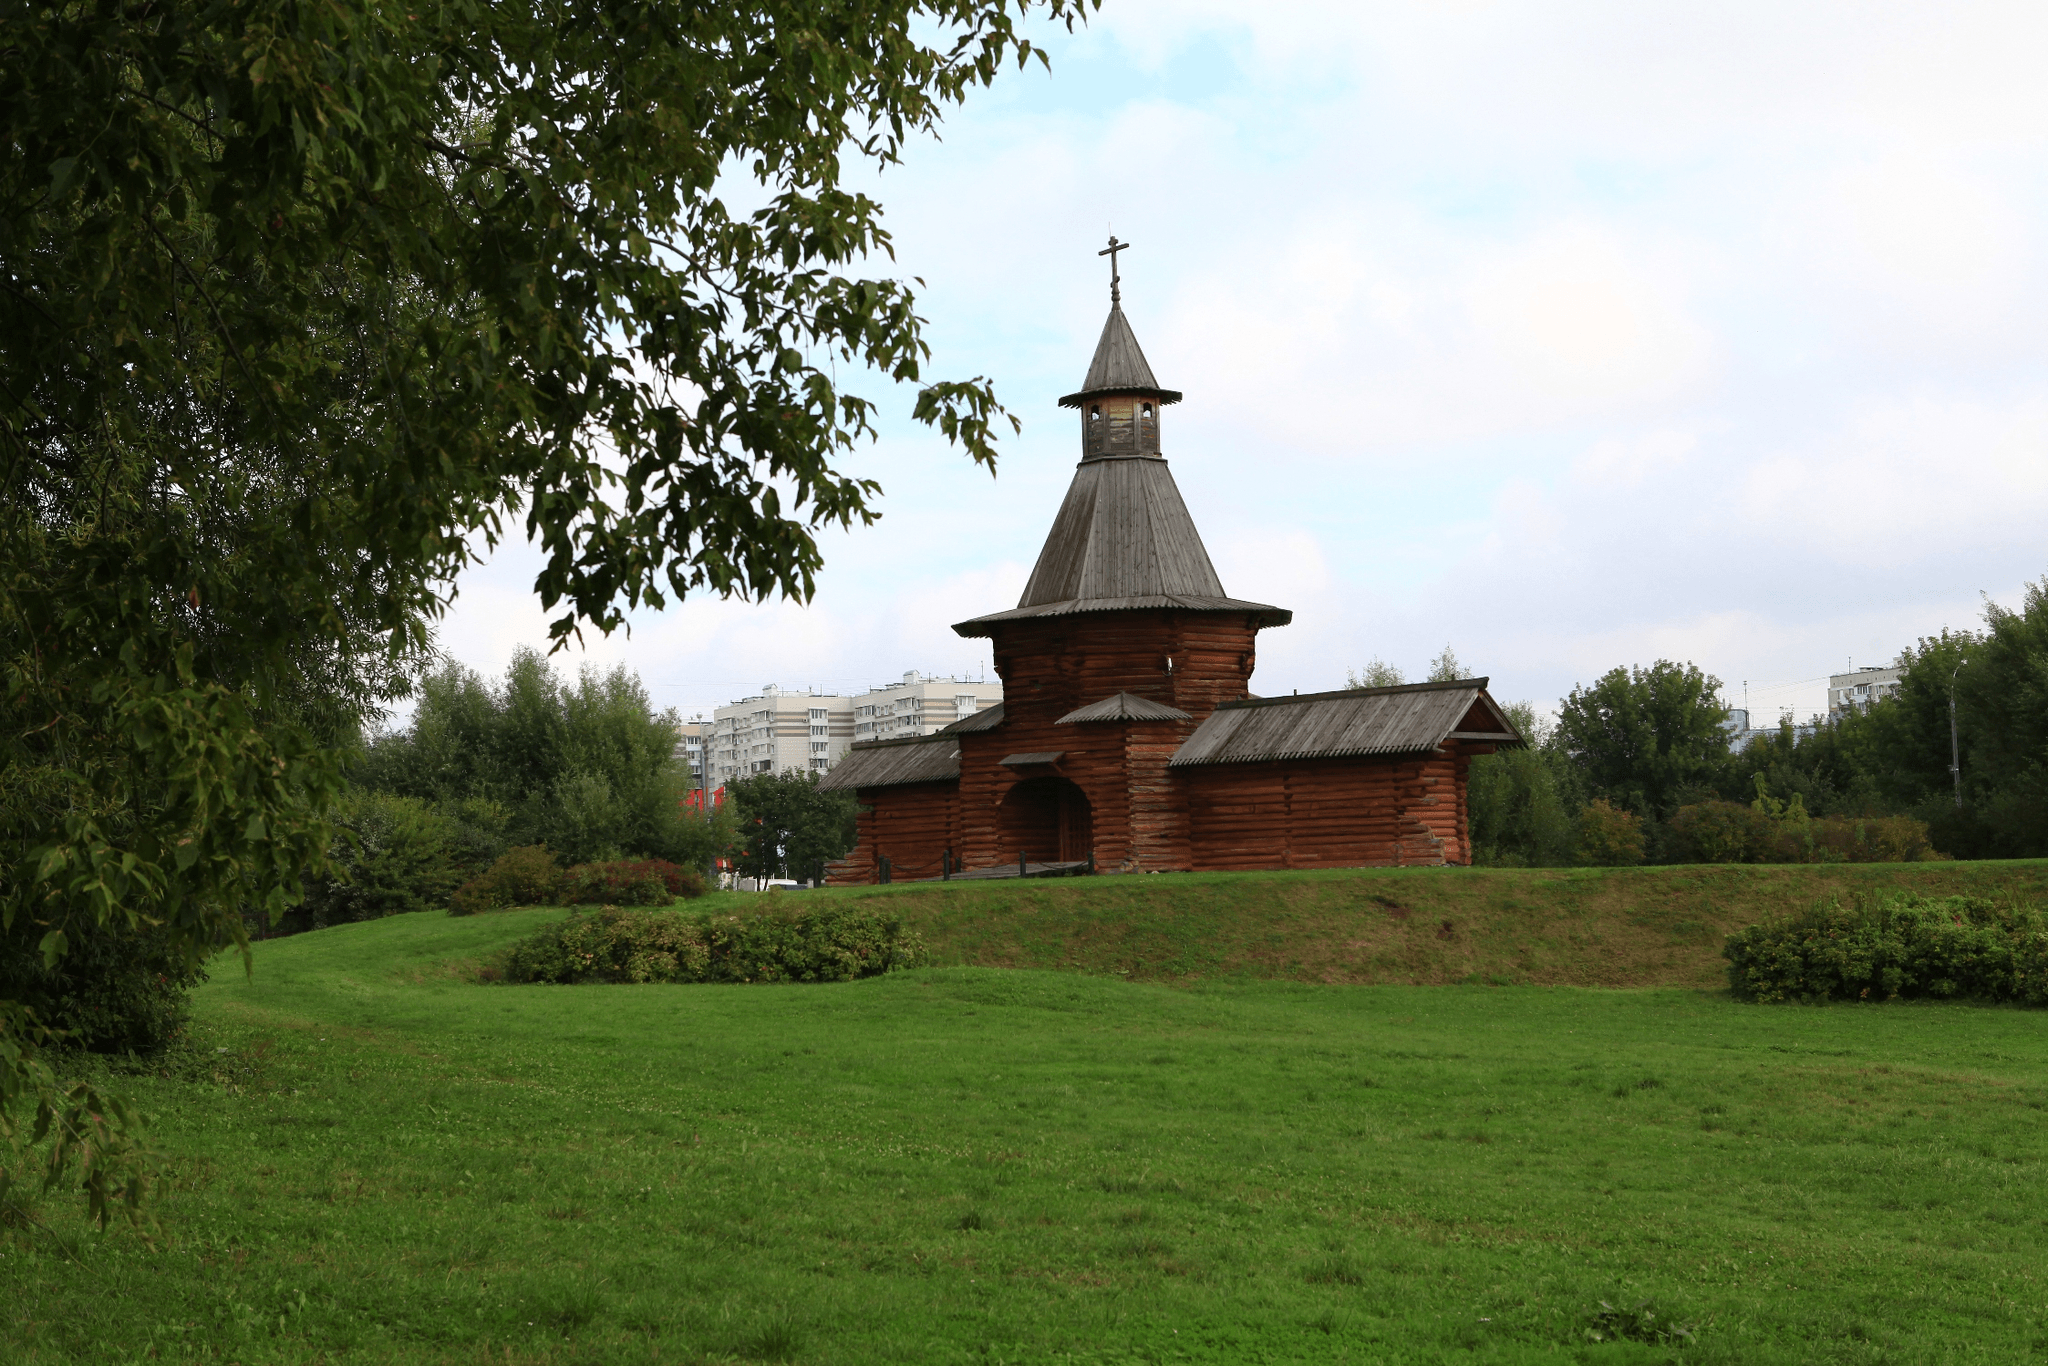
391 1163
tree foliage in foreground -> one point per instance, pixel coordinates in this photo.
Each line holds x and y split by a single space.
303 304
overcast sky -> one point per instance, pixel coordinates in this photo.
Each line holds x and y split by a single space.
1571 335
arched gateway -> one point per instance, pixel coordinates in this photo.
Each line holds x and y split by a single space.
1128 736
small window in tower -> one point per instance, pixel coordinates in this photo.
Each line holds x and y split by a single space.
1095 413
1148 412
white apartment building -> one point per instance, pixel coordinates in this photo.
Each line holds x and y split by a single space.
773 733
1855 691
919 705
690 748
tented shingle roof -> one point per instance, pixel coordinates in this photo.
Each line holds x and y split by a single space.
1119 366
1408 720
1123 540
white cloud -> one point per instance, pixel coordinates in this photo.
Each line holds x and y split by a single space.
1921 477
1573 320
1630 460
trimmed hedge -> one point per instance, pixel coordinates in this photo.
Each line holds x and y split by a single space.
817 944
1891 946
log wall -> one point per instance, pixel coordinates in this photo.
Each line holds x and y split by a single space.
1049 667
914 826
1364 812
1190 660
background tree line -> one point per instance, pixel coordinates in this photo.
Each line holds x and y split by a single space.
586 769
1645 747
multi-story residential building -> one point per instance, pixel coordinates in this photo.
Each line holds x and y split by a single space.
690 748
781 729
919 705
773 733
1855 691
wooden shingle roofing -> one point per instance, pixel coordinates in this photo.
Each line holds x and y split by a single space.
988 718
1414 719
1123 706
1119 366
896 763
1123 541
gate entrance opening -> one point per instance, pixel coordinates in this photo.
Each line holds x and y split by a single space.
1048 820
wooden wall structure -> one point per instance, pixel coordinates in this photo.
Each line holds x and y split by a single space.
1330 813
1128 730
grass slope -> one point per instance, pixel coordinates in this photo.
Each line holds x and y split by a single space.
390 1164
1577 927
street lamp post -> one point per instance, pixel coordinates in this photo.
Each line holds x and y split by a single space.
1955 752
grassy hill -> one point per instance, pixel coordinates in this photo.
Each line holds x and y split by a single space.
374 1159
1612 927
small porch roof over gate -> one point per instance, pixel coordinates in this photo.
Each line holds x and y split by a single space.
1414 719
1123 706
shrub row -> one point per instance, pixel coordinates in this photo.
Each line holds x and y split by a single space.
1731 832
1890 946
816 944
529 876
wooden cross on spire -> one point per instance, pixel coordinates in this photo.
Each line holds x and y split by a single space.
1116 296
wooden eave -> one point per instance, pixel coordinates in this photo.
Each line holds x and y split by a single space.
1165 396
1267 614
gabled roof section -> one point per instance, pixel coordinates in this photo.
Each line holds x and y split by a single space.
1124 706
1414 719
1123 541
988 718
896 763
1119 366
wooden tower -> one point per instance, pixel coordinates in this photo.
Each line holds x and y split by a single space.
1128 739
1123 642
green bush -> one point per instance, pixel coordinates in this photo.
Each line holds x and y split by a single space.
526 876
392 855
113 991
630 882
1871 839
479 832
1609 837
807 945
1891 946
1731 832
